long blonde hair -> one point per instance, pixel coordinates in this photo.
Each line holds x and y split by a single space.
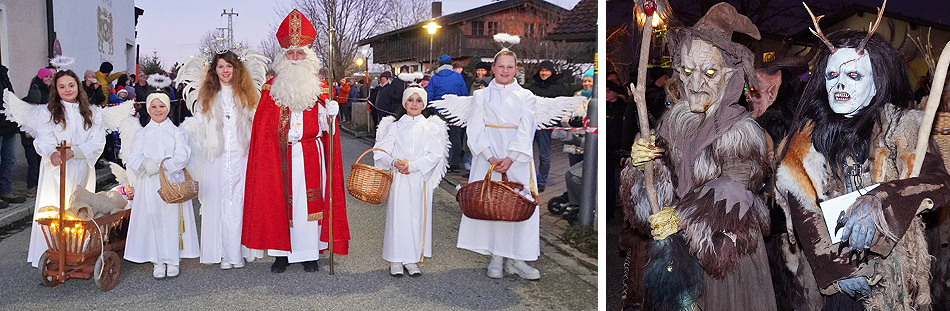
247 95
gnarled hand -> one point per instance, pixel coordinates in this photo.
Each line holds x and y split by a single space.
664 223
861 221
643 151
855 287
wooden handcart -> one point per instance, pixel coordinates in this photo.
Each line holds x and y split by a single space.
82 248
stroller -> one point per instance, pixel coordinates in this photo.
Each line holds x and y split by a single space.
567 205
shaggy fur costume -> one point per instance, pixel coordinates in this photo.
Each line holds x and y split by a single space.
805 178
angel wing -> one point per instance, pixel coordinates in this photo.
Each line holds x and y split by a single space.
256 65
119 172
455 108
548 111
127 128
191 74
383 126
112 117
29 116
443 140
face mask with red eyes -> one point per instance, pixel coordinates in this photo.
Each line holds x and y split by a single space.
849 81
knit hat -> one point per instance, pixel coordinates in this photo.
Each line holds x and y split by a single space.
615 87
413 87
483 65
445 59
547 65
43 73
105 67
160 96
589 72
387 75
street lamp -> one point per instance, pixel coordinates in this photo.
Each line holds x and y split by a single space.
431 27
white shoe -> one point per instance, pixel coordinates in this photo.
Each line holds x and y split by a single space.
522 269
225 265
172 271
395 269
494 267
238 265
413 269
158 271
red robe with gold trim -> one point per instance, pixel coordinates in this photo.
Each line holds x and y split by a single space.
266 207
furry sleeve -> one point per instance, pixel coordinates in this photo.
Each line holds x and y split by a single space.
633 192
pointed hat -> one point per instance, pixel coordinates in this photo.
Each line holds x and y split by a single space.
295 30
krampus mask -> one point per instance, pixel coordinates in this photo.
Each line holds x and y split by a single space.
711 67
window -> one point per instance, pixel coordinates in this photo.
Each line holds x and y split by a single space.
493 28
529 30
478 28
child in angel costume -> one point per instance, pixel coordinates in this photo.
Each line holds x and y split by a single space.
154 233
223 94
417 147
68 116
501 120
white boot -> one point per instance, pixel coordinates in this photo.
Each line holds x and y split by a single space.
395 269
239 264
413 269
494 267
172 271
522 269
158 271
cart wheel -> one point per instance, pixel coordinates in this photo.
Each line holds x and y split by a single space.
46 271
572 216
557 205
107 271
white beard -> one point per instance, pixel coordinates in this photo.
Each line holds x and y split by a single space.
296 85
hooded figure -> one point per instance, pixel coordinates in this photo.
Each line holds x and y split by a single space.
709 251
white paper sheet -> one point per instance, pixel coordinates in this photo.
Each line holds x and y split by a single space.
831 210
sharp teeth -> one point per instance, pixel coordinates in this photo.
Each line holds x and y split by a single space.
842 96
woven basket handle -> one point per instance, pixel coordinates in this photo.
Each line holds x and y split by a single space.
504 176
368 151
164 179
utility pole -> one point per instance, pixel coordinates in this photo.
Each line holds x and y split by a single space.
230 25
223 31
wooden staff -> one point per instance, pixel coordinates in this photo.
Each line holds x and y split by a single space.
640 98
62 206
933 102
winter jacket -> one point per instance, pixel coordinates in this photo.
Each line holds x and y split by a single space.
342 93
551 87
384 100
446 81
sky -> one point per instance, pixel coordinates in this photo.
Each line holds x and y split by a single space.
174 28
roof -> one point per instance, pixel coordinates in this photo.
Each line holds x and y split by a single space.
455 18
579 24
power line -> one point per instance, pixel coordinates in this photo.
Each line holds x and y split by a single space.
230 25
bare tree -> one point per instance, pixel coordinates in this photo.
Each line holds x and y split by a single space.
403 13
356 20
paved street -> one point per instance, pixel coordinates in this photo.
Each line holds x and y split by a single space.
453 279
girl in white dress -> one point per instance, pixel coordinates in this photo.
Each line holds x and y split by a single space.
417 149
501 126
220 132
154 232
69 117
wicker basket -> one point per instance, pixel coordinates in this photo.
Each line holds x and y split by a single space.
941 136
177 192
367 183
492 200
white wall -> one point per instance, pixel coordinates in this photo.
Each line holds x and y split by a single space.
23 40
82 27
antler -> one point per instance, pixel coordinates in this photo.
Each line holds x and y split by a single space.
872 28
817 30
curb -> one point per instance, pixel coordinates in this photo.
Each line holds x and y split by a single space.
16 213
549 238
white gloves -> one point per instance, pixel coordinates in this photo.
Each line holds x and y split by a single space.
333 108
151 167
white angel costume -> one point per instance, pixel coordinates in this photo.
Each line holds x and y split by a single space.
87 145
154 225
501 120
423 143
220 138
